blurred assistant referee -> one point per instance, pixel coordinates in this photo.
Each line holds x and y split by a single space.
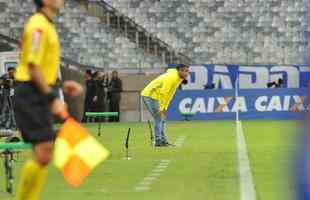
35 101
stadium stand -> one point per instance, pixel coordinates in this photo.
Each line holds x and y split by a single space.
4 46
83 38
206 31
230 31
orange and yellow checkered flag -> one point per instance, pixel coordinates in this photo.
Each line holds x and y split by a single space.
77 153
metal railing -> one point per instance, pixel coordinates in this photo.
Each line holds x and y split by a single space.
138 34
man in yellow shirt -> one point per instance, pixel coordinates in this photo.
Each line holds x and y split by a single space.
157 96
35 100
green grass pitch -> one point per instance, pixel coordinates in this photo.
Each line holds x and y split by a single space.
204 167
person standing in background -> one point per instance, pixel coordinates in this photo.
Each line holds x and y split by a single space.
95 78
10 75
7 90
114 93
102 88
90 96
7 81
106 80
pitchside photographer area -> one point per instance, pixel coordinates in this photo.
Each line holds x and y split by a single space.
7 119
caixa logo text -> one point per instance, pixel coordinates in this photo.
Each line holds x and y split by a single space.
204 105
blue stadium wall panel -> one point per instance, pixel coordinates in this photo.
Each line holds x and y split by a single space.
250 77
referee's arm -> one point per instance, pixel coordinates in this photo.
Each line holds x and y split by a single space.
36 52
57 106
36 49
38 79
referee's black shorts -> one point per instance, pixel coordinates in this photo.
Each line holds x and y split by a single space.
33 114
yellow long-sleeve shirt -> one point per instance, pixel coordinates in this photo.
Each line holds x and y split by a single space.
163 88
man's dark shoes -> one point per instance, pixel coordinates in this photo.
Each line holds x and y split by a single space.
167 144
164 144
159 144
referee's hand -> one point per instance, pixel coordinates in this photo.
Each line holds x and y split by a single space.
72 88
60 109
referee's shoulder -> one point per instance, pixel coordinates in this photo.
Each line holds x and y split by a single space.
37 20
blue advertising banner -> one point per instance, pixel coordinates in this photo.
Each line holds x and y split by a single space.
250 77
251 103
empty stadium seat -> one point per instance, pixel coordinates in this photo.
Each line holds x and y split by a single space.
83 37
196 26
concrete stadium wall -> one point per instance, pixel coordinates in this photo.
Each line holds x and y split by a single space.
131 101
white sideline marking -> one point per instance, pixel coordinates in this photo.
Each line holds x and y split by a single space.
147 181
149 178
155 174
142 188
162 166
179 141
158 170
247 189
